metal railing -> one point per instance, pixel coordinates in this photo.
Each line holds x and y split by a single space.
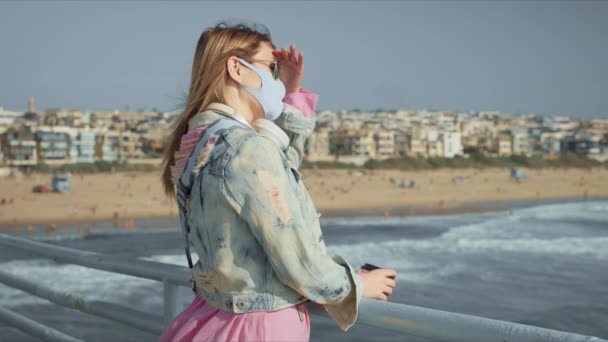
401 318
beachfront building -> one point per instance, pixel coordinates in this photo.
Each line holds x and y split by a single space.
401 143
535 135
550 142
330 144
503 145
520 142
339 141
18 145
82 145
452 144
153 142
318 144
361 144
417 144
53 144
58 145
113 145
107 146
385 144
352 145
434 148
132 145
580 144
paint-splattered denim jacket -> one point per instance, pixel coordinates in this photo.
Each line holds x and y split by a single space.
255 228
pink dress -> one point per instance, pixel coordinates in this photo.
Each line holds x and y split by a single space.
202 321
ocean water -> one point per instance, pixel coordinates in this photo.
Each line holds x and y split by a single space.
544 265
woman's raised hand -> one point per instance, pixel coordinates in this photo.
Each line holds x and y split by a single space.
376 284
291 67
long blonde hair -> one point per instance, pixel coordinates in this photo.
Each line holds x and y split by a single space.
209 75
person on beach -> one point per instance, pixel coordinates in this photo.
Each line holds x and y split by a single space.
261 254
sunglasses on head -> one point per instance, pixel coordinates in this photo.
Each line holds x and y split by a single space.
273 65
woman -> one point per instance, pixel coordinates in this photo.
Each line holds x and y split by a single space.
253 224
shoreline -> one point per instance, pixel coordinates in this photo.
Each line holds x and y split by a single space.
459 208
474 207
123 198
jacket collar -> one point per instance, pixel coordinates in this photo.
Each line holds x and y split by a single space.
211 113
262 126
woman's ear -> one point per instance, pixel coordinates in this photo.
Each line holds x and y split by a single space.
234 69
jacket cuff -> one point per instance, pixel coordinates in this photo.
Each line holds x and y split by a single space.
304 100
346 312
292 120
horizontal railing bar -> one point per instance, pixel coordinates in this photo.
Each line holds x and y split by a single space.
449 326
141 320
417 321
33 328
134 267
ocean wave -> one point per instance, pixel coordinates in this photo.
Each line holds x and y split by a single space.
522 231
93 284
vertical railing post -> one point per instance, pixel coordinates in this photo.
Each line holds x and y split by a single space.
173 301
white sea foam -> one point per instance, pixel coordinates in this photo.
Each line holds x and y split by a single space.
521 231
95 284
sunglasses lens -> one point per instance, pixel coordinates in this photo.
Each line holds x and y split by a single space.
275 70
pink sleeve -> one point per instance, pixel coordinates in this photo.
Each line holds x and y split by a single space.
304 101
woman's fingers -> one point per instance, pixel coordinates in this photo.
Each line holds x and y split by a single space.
291 57
294 55
390 282
389 272
387 290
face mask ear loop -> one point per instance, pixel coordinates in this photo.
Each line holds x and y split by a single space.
257 71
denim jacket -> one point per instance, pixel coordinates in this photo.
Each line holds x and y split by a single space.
255 228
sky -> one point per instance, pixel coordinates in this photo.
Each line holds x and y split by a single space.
518 57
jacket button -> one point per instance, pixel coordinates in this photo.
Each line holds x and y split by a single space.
227 303
241 304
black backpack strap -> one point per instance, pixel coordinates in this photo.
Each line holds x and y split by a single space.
185 181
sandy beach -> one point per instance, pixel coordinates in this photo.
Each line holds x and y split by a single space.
130 195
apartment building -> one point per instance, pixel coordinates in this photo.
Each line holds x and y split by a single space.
53 144
385 144
520 141
452 144
503 145
113 145
319 144
82 147
18 145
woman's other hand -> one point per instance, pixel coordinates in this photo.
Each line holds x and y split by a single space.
376 284
291 67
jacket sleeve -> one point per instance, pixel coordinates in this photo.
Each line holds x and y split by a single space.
298 128
258 187
304 101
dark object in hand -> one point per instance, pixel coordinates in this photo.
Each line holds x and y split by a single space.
370 267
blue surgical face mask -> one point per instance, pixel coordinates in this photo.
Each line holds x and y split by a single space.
270 95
